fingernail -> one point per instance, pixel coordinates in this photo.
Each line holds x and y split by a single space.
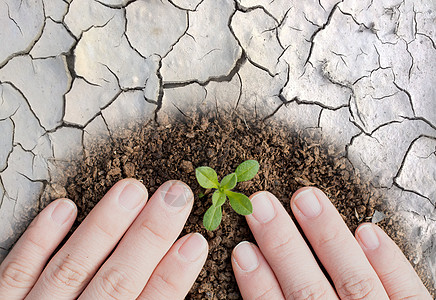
131 196
307 202
263 209
177 195
368 237
245 257
193 247
63 211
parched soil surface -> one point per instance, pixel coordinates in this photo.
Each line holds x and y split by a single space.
288 160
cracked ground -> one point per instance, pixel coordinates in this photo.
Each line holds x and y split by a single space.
360 73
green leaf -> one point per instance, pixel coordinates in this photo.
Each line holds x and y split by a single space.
212 218
229 181
201 195
207 177
240 203
247 170
218 198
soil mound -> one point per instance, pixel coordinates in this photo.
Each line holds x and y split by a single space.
288 160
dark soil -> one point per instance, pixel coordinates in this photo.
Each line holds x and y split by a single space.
288 160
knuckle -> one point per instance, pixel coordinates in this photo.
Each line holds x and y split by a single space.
279 244
164 283
37 243
329 238
153 234
161 287
68 273
116 284
313 291
357 287
16 275
268 294
106 230
408 296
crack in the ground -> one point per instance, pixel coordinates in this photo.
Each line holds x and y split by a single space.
119 6
181 36
12 19
224 78
107 127
428 37
277 33
362 26
229 25
288 76
239 7
66 53
186 9
160 93
409 96
5 191
240 92
19 145
120 90
384 97
317 103
384 125
278 109
10 152
412 58
420 119
25 51
316 32
27 101
326 74
412 191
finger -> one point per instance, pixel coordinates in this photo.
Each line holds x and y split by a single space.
73 266
126 272
392 267
286 251
22 267
335 246
255 278
176 273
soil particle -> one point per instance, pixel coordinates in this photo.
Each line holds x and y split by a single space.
288 160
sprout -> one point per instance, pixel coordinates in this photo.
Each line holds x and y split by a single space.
208 178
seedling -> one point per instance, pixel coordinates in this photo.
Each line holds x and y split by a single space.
208 178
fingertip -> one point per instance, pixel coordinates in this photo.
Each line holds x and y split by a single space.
245 257
300 192
194 247
64 211
259 193
137 183
264 209
69 201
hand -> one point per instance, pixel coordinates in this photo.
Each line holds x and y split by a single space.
145 262
369 266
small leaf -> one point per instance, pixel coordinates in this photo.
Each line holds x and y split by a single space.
247 170
240 203
218 198
207 177
212 218
229 181
201 195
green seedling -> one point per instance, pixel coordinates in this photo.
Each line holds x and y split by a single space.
208 178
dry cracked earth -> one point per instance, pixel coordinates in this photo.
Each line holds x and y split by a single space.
359 72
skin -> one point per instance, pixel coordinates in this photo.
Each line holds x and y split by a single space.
135 252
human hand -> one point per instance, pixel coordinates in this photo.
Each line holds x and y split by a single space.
370 266
145 262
